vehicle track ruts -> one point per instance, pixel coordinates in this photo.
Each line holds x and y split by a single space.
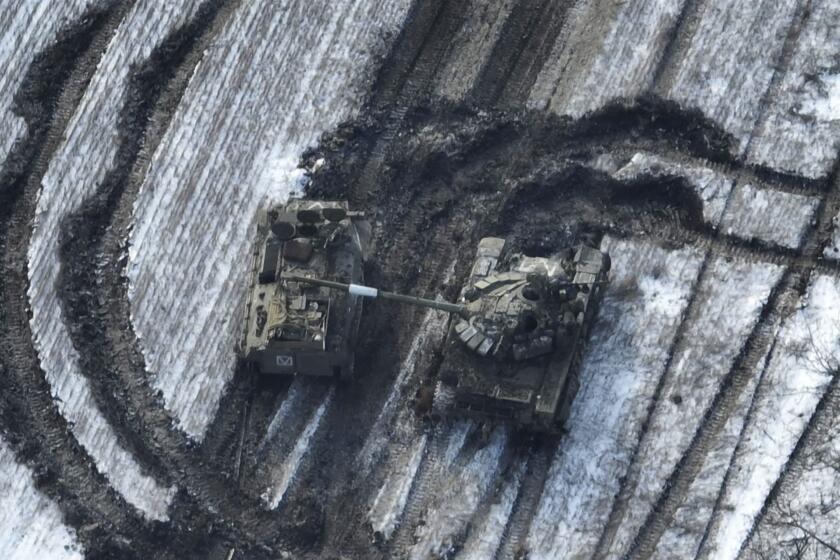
674 49
415 74
758 177
431 245
428 473
527 501
231 513
800 18
826 412
825 417
630 481
751 250
781 302
714 517
525 42
154 88
32 423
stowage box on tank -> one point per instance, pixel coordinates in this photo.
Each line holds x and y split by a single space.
514 353
292 328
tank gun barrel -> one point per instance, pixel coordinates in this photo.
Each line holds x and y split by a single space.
367 291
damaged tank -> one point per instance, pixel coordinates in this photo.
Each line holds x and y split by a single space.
517 332
294 328
515 353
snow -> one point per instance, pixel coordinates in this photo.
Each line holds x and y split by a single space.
486 535
389 503
808 343
682 538
625 358
275 78
771 216
77 169
711 186
733 293
802 123
574 81
273 495
462 491
726 68
31 525
26 29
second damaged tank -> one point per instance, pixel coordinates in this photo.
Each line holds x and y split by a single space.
294 328
515 353
516 337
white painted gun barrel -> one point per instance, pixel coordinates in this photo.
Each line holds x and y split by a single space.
367 291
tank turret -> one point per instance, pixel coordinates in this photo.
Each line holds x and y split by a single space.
515 354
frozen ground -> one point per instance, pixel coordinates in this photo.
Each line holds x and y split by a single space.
76 171
32 526
627 354
26 28
706 420
263 92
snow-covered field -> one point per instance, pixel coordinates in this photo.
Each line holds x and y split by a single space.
626 355
76 171
26 29
624 65
30 524
799 131
732 295
783 216
726 76
797 373
267 88
278 74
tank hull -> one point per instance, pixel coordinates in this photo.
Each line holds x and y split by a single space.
532 393
291 328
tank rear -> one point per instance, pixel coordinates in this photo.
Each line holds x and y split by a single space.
296 329
517 357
